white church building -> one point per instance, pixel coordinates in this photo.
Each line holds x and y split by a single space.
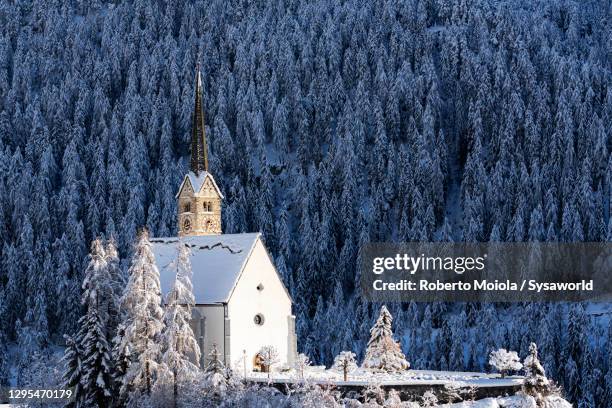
241 302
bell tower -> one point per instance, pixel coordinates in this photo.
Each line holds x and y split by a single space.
199 197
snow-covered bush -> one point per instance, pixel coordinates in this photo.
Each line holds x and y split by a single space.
345 363
309 394
374 394
452 391
429 399
384 353
505 361
394 401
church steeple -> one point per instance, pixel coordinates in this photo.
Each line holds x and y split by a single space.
199 150
199 197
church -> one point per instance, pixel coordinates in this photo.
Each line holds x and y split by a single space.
241 302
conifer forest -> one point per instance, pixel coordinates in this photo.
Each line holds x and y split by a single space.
330 124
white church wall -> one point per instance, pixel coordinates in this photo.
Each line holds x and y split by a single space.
272 302
212 316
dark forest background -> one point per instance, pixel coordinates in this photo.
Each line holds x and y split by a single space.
330 124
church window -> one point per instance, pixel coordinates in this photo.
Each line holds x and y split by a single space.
260 287
259 319
187 225
187 207
207 206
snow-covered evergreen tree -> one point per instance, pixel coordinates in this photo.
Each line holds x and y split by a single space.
4 357
88 363
179 346
143 322
96 364
536 384
215 371
383 352
73 371
117 284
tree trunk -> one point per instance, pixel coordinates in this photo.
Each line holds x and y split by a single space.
175 389
345 373
148 378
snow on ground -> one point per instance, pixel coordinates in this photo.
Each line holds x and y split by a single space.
409 377
515 401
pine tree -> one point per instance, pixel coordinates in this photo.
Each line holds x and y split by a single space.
96 380
179 345
215 372
384 353
87 359
4 361
536 384
143 322
116 283
73 371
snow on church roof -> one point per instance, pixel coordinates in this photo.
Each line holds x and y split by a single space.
197 181
216 261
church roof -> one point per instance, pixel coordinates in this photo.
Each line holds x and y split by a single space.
217 262
197 181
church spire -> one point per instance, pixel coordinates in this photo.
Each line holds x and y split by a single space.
199 151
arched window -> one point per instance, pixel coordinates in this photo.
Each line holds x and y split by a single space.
187 207
187 225
207 206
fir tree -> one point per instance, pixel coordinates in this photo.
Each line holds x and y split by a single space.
536 384
87 359
383 352
179 345
73 371
143 322
215 371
